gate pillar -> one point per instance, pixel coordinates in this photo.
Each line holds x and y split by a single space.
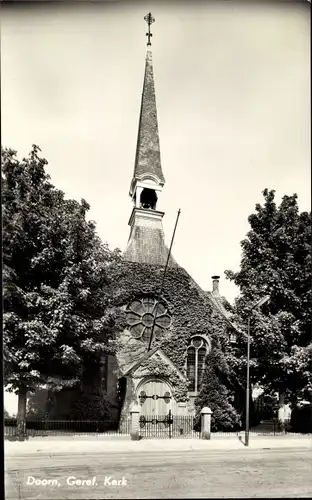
205 422
135 422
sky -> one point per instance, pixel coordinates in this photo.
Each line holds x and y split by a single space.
233 97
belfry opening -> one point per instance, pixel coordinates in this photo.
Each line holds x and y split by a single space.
148 199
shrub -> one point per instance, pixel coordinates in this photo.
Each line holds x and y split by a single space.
217 396
301 419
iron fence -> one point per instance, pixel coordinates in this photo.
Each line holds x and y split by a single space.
151 426
168 427
268 428
68 427
251 433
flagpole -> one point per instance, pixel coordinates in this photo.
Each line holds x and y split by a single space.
163 280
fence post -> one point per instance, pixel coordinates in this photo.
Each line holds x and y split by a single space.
205 422
135 422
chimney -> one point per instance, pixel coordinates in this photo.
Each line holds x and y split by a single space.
215 284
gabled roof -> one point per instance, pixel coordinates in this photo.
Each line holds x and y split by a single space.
217 301
141 360
148 355
147 160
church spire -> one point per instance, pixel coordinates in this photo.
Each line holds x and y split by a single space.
146 241
147 159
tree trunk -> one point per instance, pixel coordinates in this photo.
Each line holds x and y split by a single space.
281 410
293 402
21 415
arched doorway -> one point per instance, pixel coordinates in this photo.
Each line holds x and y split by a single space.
155 397
157 406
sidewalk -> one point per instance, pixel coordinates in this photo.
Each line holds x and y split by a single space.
125 445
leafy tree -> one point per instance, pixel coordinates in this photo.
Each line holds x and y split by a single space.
217 393
276 260
57 279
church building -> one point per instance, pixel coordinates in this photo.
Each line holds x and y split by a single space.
171 322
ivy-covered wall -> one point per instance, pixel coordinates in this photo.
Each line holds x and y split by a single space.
191 309
192 313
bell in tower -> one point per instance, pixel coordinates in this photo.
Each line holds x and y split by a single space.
148 199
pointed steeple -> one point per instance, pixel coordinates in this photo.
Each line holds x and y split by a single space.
146 241
147 160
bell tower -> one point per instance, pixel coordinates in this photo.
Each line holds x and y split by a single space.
146 241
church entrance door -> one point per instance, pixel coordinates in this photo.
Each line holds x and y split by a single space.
155 397
158 416
156 401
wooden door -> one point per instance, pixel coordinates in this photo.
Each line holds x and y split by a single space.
155 398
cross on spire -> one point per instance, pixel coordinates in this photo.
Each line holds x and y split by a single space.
149 19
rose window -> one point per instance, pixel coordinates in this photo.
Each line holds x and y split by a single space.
141 315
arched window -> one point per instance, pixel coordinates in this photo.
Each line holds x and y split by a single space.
195 364
143 313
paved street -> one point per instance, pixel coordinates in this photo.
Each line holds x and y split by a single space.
157 473
119 444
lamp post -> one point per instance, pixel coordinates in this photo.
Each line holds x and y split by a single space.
257 304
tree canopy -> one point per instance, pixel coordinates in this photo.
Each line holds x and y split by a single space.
276 260
57 278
